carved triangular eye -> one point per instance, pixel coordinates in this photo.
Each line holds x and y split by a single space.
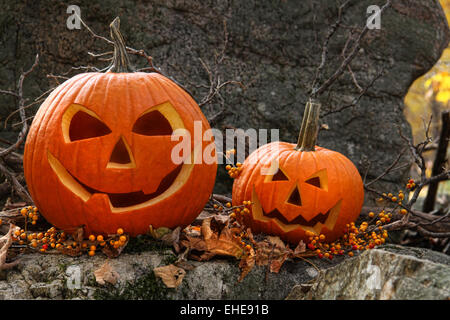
85 126
314 181
319 179
279 176
152 123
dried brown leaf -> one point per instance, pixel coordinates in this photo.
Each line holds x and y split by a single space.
106 274
5 243
171 275
217 240
78 234
276 263
73 252
112 252
246 264
299 249
172 238
158 233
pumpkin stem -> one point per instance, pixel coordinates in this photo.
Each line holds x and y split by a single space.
121 61
310 123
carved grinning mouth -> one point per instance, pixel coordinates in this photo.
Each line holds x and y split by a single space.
322 218
121 200
124 202
314 225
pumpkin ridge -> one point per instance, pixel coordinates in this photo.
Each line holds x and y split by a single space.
44 117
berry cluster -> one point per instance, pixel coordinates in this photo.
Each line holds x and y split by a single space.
30 213
240 211
366 236
63 240
234 171
411 184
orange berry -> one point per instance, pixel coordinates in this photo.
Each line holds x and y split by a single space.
91 253
119 231
123 238
24 211
403 211
92 237
92 248
100 238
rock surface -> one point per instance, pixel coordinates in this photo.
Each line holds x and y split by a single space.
393 272
273 47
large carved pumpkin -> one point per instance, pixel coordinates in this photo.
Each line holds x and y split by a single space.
298 188
98 153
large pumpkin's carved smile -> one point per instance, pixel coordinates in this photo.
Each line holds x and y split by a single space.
314 225
123 202
120 200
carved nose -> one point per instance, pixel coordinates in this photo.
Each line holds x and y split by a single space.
294 197
121 156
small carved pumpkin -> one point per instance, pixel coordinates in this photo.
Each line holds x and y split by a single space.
299 188
98 153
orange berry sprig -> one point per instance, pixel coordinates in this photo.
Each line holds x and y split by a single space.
366 236
60 240
240 211
30 213
411 185
234 171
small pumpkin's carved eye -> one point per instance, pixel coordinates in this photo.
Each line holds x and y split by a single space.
319 180
314 181
279 176
84 126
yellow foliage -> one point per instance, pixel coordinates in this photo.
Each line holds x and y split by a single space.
435 83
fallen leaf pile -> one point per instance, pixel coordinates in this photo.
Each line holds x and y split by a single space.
212 234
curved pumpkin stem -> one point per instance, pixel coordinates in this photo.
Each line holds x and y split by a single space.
309 128
121 61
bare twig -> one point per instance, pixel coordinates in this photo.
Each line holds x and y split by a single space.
24 130
353 52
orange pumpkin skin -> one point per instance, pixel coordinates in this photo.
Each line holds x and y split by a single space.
75 167
319 191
